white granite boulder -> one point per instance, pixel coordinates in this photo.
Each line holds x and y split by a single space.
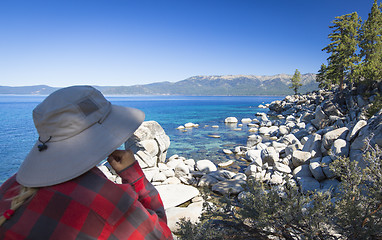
331 136
149 144
354 131
313 145
191 125
283 130
340 148
253 140
291 139
205 166
181 170
150 172
231 120
300 158
192 212
270 156
246 120
282 167
176 194
254 156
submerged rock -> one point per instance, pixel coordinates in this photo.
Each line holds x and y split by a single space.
231 120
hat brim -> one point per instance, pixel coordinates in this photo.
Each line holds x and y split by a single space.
67 159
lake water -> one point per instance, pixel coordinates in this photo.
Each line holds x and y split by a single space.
17 132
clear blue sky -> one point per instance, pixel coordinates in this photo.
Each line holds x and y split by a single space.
127 42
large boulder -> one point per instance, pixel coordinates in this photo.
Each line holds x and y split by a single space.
282 167
252 169
291 139
302 171
205 166
270 156
253 140
283 130
354 132
371 133
192 212
358 156
308 184
331 136
150 173
149 144
254 156
171 197
330 109
300 158
231 120
340 148
207 181
325 164
313 145
316 169
320 118
359 142
276 106
229 187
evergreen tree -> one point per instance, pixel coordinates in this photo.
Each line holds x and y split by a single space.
343 48
322 78
296 79
371 45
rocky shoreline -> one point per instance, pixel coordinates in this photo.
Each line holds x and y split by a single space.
294 143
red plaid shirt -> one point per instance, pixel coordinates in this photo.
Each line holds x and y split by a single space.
88 207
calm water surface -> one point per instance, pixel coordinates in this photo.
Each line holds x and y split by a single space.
18 133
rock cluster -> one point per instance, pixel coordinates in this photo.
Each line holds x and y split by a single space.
309 132
150 144
293 144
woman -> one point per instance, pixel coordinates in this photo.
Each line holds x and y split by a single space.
59 193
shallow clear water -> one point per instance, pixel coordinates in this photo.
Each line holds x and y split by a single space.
18 133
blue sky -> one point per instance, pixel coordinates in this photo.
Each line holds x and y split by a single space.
127 42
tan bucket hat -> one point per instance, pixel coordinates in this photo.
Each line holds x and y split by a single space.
77 128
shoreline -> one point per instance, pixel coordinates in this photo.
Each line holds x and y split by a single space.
289 145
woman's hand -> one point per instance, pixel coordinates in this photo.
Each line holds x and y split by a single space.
121 159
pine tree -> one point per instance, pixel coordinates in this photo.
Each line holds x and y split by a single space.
322 78
343 48
296 79
371 45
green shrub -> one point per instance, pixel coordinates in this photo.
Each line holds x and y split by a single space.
354 211
375 107
358 209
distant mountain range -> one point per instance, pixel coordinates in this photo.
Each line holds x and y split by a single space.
197 85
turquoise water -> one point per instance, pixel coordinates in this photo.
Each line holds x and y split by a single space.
18 133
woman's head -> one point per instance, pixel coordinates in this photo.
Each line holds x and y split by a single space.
77 129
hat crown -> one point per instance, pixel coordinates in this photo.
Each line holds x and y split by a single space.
69 111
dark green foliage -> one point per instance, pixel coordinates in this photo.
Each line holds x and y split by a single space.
358 209
343 47
353 211
371 45
296 81
375 107
356 50
323 78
